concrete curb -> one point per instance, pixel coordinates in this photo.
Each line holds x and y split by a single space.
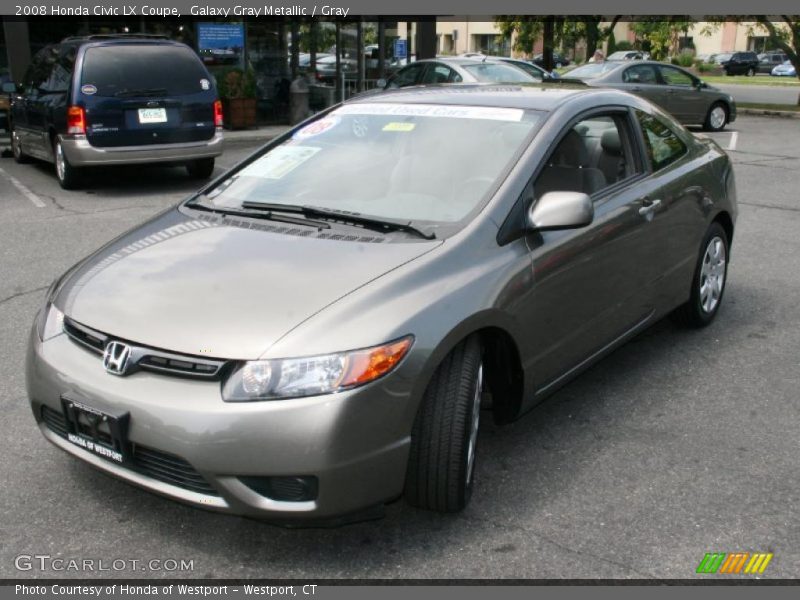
767 112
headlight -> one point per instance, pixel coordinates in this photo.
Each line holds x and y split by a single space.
51 322
312 375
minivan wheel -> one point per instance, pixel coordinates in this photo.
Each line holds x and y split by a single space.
67 175
708 283
717 117
16 148
441 461
201 168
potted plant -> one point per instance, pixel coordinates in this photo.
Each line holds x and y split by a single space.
237 90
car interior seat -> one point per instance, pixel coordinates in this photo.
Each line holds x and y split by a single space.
611 159
569 170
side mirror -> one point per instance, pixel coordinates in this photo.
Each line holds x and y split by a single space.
561 210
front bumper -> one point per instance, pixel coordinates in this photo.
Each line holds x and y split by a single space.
355 443
80 153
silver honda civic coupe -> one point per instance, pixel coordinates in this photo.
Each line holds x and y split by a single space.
322 329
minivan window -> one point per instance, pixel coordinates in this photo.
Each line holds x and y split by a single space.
415 162
149 69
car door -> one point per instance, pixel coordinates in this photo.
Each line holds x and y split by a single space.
31 129
439 73
678 195
642 80
591 286
685 99
410 75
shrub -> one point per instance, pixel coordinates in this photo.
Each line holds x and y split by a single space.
236 83
685 58
624 45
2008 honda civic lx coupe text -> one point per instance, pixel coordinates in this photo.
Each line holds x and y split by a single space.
314 333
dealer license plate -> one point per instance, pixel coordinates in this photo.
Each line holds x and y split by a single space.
96 431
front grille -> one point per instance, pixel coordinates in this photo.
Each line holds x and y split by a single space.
149 359
150 462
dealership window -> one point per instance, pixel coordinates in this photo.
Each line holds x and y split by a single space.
491 44
664 146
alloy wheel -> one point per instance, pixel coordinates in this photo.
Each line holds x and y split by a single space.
60 167
718 117
712 274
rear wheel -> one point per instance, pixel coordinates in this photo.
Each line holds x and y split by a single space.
708 283
751 72
441 462
201 168
16 148
716 118
68 176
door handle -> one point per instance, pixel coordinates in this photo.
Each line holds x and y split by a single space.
636 88
649 206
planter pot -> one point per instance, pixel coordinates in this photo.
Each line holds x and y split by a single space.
239 113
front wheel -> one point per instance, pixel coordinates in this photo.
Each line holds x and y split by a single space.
441 461
751 72
68 176
716 118
708 283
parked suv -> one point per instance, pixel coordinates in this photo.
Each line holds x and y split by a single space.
110 100
741 63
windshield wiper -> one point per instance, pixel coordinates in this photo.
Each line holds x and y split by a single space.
142 92
261 214
379 223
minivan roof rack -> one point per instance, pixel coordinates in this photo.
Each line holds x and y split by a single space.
115 36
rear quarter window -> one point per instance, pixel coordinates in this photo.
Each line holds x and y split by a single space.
156 69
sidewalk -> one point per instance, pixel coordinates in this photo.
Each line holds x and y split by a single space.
255 134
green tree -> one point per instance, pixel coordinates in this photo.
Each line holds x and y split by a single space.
662 35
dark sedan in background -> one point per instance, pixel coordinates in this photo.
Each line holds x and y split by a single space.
689 99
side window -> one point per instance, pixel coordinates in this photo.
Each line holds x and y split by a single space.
594 154
640 74
38 72
59 78
675 77
438 73
408 76
664 147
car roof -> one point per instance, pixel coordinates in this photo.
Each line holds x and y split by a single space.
117 39
544 97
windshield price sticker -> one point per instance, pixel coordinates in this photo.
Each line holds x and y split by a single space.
433 110
317 127
394 126
279 162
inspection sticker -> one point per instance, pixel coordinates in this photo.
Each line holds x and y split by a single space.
279 162
433 110
317 127
399 126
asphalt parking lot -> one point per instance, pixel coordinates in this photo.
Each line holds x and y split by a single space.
679 443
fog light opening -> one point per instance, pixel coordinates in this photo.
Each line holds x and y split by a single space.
296 488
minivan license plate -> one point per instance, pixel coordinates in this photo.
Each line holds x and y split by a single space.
152 115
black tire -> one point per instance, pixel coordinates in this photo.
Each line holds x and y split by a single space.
439 475
201 168
708 125
694 313
69 177
16 149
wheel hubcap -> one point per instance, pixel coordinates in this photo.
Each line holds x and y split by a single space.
717 117
475 419
712 275
59 162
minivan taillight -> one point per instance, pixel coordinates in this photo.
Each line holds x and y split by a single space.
76 120
217 113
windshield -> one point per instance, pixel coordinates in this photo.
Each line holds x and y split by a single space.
498 73
411 162
591 70
122 69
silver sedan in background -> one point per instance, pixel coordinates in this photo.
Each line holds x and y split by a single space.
687 98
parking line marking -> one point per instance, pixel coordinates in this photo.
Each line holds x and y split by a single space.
23 189
734 139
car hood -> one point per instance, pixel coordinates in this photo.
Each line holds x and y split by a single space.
220 287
